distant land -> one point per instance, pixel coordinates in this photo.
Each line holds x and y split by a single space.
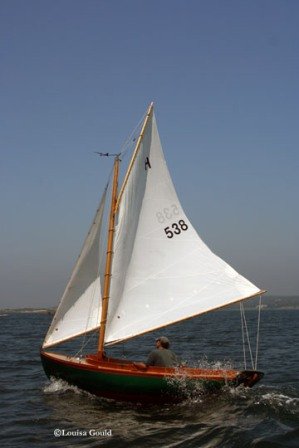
268 302
27 310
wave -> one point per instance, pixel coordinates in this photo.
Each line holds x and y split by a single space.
58 386
278 401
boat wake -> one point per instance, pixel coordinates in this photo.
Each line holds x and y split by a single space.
205 363
279 402
194 391
58 386
261 400
266 399
191 391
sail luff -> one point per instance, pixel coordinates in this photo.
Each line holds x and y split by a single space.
109 253
135 152
118 341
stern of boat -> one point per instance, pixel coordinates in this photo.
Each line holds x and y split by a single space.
248 378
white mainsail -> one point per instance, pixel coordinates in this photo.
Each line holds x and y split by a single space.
162 271
80 306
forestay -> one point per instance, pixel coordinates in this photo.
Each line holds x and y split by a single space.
80 306
162 271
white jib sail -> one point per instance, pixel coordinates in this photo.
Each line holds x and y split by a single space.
162 271
79 309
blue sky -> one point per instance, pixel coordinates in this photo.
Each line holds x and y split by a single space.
76 77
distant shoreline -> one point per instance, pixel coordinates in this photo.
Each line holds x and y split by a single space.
268 303
27 310
6 311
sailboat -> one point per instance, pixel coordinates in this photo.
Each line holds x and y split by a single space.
157 272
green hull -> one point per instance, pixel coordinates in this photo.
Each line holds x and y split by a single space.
122 383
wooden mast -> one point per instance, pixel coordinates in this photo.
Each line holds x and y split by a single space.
107 278
115 200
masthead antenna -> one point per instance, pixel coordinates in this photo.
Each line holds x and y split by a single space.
106 154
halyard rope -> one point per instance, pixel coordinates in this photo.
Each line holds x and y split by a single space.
258 332
247 333
243 336
245 330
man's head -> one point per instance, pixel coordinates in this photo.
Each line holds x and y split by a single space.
163 341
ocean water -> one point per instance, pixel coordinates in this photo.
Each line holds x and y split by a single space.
36 412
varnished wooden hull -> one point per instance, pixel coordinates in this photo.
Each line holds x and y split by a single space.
121 380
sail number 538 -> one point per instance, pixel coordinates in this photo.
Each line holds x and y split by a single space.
176 228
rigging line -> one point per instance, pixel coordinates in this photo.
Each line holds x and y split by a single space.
248 340
85 342
90 309
243 336
89 315
132 137
128 141
258 332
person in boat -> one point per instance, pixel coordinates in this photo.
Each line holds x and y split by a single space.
162 356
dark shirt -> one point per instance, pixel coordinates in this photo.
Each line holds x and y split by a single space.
162 358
